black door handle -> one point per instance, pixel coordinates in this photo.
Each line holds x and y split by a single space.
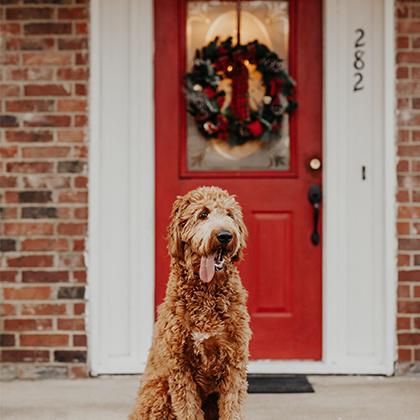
315 197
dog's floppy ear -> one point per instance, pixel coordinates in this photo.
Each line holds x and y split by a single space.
243 235
175 246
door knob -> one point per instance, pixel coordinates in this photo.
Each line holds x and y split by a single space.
315 197
315 164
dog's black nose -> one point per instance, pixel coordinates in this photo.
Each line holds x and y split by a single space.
224 237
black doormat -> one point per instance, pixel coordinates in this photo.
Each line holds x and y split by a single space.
278 384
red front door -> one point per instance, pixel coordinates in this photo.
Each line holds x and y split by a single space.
282 267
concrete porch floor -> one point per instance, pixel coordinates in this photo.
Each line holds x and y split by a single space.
335 397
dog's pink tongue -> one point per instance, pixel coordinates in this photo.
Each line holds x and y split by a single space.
207 268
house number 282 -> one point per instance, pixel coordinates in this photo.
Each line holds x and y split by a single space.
358 62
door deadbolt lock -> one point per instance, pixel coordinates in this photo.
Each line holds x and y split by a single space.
315 164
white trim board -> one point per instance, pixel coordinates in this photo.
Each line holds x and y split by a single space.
390 189
121 185
359 279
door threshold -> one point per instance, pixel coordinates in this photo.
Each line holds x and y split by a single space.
319 367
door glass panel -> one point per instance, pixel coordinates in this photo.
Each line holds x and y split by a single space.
268 23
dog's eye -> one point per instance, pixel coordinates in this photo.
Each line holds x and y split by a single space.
203 214
230 214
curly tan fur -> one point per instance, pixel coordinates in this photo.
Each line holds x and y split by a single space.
197 363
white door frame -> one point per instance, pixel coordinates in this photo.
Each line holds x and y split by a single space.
121 186
342 351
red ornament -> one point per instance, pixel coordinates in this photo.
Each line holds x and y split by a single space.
255 128
222 127
222 51
275 87
220 100
209 92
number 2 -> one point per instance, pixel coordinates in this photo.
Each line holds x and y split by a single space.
358 84
359 42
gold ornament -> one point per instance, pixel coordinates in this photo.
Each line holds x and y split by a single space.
267 100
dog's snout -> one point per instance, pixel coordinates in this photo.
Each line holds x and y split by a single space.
224 237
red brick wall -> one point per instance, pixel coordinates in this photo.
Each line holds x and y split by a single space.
43 186
408 96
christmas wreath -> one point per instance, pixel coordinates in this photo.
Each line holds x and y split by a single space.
237 123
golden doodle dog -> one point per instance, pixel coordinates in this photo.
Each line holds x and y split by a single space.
196 368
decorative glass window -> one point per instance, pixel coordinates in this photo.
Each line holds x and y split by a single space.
208 147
